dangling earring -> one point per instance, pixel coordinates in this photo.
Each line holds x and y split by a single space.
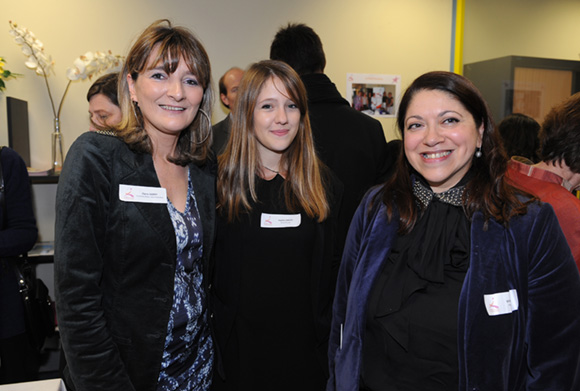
209 127
135 104
478 152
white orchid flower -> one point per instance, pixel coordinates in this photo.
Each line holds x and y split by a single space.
85 66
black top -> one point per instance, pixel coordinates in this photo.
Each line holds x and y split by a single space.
410 341
272 345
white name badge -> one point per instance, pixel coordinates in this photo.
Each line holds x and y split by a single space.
279 221
501 303
149 195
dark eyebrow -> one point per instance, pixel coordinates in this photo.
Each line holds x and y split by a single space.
418 117
450 111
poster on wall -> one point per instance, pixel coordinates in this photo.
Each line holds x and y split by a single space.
375 95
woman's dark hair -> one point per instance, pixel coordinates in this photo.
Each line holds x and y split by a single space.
162 44
560 134
487 191
519 134
106 85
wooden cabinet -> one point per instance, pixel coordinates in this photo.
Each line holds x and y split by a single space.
527 85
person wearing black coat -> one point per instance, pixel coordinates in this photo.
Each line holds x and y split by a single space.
19 361
350 143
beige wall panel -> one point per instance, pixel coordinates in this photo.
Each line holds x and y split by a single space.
536 91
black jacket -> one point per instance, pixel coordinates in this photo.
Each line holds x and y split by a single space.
115 265
221 134
17 235
351 143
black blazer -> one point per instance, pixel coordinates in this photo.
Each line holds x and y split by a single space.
115 265
221 134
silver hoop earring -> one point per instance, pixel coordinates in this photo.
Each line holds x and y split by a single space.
135 104
209 127
478 152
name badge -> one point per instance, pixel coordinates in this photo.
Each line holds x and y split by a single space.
279 221
148 195
501 303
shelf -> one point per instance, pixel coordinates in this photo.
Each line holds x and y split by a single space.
39 259
44 179
42 252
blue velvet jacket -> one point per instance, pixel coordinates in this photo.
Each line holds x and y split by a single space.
536 347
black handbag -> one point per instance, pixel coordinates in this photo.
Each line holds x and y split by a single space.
38 307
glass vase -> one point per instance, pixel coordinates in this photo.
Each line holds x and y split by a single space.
57 153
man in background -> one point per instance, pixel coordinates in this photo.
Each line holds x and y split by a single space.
351 143
554 178
228 86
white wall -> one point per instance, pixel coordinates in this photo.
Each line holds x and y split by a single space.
375 36
534 28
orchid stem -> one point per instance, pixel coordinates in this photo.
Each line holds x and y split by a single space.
45 76
62 99
48 89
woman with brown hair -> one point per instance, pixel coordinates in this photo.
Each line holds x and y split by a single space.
134 226
275 258
450 279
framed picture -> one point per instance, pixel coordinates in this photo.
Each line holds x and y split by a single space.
375 95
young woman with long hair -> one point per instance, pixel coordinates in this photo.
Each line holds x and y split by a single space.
275 258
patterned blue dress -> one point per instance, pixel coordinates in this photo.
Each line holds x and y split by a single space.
188 355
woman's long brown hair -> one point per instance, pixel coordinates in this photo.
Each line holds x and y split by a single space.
240 164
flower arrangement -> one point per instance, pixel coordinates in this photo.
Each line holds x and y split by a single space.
5 74
85 66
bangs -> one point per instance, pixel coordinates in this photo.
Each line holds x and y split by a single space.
170 51
293 90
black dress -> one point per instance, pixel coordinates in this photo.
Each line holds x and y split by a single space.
272 343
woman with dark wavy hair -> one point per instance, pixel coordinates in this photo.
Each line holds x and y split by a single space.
135 216
450 279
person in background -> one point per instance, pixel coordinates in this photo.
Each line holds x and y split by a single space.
104 109
450 279
19 360
276 257
357 100
228 85
135 216
389 102
554 178
351 143
519 134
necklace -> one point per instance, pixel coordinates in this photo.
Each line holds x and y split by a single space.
269 169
